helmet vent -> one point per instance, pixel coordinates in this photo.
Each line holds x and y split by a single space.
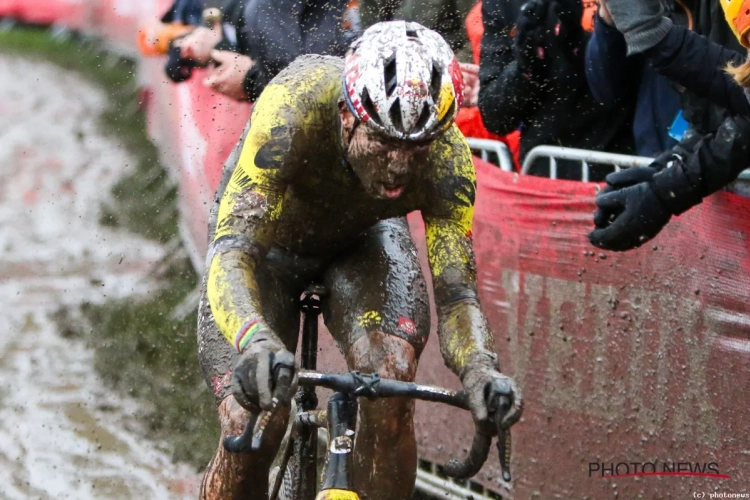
395 115
390 77
423 117
435 83
369 107
411 34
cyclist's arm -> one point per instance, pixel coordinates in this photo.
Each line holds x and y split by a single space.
248 215
462 327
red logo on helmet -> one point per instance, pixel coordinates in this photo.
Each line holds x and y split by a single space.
458 81
414 87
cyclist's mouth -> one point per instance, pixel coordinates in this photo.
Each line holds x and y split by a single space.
391 190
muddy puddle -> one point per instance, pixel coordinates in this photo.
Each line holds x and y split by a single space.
63 434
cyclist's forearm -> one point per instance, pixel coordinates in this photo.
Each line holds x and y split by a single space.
234 298
463 331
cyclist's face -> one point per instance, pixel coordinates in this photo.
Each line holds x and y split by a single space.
385 166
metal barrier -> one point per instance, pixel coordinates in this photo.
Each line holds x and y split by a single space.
553 153
487 148
586 157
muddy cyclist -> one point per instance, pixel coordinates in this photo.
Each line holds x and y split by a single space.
337 153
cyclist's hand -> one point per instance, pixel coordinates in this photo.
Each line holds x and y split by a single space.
483 383
265 370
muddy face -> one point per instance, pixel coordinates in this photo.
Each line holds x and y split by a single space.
385 166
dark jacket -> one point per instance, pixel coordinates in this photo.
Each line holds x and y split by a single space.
558 110
696 63
616 80
276 32
716 159
703 115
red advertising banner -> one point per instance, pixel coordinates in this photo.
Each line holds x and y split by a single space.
629 363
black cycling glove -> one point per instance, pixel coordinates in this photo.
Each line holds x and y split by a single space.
265 370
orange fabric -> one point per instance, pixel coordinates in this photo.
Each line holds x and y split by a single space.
153 38
589 14
475 30
469 122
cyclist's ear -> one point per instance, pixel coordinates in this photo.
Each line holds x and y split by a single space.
346 116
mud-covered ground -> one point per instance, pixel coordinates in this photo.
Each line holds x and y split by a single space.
64 431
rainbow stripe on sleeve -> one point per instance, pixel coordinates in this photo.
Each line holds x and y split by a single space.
247 331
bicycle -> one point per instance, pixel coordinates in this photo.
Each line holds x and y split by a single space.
299 457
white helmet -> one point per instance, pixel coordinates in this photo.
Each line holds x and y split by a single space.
403 79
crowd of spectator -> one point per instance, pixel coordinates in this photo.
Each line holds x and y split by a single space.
650 78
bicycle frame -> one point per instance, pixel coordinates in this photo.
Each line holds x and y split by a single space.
341 420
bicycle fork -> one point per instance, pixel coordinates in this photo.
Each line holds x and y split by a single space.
342 419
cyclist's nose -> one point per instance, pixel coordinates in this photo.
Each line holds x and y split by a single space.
398 163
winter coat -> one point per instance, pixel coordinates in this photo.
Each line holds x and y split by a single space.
616 80
558 110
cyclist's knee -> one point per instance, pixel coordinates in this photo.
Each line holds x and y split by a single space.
389 356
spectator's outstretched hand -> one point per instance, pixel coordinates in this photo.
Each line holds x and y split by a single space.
628 217
228 75
198 44
620 180
530 43
471 84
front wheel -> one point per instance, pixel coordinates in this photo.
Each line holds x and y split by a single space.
287 486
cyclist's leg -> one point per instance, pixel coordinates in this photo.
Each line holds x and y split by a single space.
230 475
379 315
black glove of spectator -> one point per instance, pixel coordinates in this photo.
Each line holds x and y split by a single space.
570 31
630 216
619 180
531 38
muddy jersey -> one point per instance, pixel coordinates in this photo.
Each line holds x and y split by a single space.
293 189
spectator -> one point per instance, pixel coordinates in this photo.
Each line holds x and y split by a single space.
616 80
532 77
444 16
469 119
638 203
267 35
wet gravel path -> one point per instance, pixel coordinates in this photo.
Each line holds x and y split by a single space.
63 434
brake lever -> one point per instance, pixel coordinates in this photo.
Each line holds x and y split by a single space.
500 407
283 380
